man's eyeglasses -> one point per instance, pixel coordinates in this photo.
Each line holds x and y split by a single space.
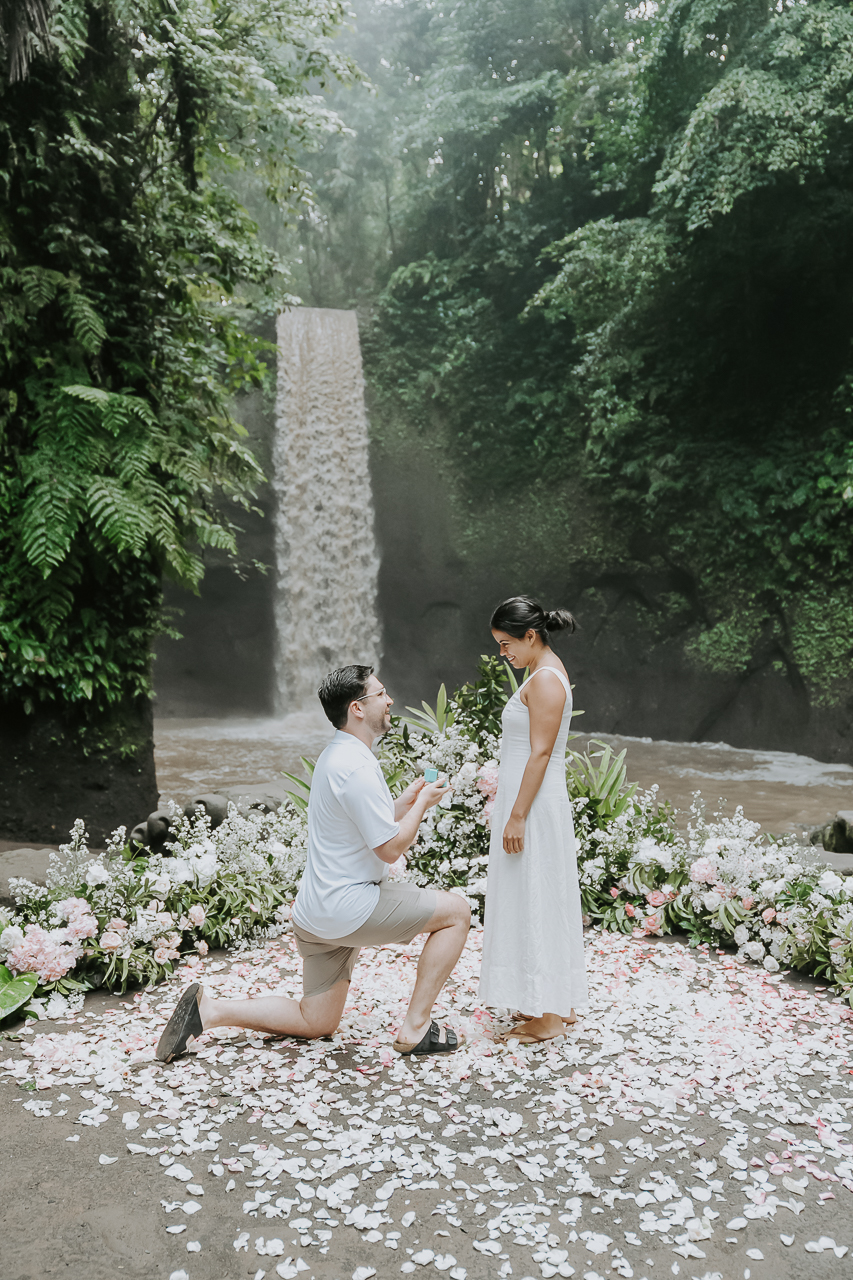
380 693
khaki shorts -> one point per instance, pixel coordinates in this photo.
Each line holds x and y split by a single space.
402 912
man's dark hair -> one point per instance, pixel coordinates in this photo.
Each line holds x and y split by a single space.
340 688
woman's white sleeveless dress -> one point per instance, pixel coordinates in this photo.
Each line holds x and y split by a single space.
533 953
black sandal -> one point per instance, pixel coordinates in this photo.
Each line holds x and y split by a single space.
184 1023
431 1043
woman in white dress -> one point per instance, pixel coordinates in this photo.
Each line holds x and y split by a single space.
533 953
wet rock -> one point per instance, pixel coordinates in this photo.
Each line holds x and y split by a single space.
159 828
835 836
138 838
214 804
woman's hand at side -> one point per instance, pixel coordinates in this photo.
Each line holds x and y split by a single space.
514 835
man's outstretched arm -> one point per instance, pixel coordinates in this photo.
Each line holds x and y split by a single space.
429 794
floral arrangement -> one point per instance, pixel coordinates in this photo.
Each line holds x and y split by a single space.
118 919
725 882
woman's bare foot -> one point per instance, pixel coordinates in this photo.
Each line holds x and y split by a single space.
544 1028
535 1030
527 1017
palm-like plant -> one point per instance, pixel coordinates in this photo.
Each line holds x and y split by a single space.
24 31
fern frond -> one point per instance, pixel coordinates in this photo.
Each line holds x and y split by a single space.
92 395
53 601
216 535
51 515
40 285
122 520
86 325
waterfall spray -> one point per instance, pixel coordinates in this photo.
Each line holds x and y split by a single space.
327 562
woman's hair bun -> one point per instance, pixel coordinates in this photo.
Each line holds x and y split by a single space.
559 620
520 614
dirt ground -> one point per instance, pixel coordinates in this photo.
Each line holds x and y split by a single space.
67 1214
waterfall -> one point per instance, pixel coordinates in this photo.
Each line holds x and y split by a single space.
326 557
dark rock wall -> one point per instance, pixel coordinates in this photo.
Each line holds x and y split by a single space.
51 775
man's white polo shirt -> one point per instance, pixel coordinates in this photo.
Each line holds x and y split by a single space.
350 813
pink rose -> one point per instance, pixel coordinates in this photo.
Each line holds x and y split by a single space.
768 915
161 955
197 914
110 941
202 948
487 779
651 924
629 910
117 925
703 871
748 902
614 893
655 898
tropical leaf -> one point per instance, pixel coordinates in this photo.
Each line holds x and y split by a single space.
434 719
15 992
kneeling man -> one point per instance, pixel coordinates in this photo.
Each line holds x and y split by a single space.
355 832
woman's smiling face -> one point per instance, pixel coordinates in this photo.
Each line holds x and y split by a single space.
516 651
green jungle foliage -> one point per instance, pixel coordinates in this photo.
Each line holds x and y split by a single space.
613 241
129 273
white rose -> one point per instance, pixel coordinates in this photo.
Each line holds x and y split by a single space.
158 886
830 882
711 900
205 867
755 950
771 964
741 935
96 874
10 938
179 871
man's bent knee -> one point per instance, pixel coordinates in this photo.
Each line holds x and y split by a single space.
317 1030
451 910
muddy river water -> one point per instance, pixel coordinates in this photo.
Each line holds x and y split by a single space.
782 791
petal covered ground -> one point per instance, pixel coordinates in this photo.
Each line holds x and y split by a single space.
693 1122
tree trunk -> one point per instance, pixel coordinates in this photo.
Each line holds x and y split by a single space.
53 771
